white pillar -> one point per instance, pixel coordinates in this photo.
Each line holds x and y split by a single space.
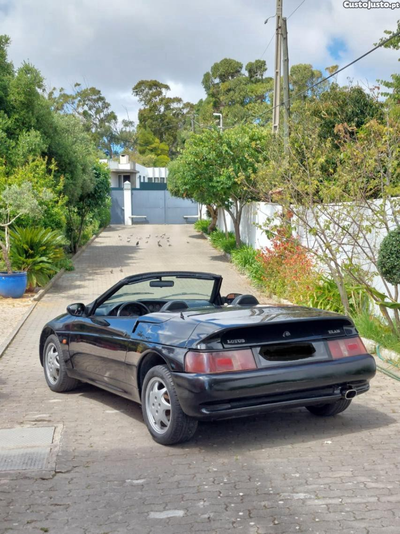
127 203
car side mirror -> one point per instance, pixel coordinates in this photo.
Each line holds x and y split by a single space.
77 309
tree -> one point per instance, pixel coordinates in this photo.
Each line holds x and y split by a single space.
6 73
340 214
47 189
345 105
97 117
45 148
15 201
256 70
302 77
226 69
219 169
160 114
241 98
89 203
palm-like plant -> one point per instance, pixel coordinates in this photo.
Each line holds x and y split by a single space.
37 251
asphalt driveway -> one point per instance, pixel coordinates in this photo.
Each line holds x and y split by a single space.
285 472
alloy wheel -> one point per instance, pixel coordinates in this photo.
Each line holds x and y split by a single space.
52 363
158 405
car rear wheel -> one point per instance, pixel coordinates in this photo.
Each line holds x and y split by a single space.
54 367
162 413
327 410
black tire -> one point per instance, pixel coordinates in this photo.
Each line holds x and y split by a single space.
55 371
328 410
159 392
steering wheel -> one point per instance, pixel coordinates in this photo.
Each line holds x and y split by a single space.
144 309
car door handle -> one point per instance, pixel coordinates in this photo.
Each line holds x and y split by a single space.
100 321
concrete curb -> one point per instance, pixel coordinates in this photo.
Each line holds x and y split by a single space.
384 366
35 300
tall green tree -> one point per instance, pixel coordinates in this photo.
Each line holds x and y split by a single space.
98 119
239 97
160 114
221 169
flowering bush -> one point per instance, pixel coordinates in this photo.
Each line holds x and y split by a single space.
289 269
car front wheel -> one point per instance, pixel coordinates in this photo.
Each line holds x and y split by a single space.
162 413
327 410
54 367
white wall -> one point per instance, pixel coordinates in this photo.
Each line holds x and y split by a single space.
254 218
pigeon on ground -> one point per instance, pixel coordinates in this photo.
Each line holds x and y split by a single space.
146 242
137 243
159 244
112 270
121 270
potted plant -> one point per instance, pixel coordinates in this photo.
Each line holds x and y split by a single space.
15 201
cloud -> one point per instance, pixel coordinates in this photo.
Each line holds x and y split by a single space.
112 45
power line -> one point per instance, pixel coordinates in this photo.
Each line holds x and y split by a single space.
268 45
293 12
334 73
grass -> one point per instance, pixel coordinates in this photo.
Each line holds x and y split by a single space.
220 241
372 328
202 225
245 259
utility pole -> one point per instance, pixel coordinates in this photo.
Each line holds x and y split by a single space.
286 97
221 128
278 61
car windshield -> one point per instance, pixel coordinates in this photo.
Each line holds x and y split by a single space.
165 288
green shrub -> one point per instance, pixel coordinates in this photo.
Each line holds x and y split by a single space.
67 264
288 269
246 260
202 225
372 328
326 296
220 241
103 214
389 257
38 251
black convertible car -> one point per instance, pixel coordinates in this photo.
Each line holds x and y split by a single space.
171 342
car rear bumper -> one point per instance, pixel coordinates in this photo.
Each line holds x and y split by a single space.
220 396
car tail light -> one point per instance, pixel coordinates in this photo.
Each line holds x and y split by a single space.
343 348
219 362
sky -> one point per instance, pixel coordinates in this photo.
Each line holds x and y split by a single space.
113 44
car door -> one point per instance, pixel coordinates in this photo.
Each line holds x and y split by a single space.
98 347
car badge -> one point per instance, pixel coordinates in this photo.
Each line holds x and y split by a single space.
286 334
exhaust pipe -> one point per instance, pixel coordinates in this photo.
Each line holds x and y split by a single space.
349 393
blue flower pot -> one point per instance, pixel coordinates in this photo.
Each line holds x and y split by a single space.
13 285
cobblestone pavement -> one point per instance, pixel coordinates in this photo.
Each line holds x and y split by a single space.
285 472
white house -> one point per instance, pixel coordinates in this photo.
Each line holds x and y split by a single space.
125 170
153 175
